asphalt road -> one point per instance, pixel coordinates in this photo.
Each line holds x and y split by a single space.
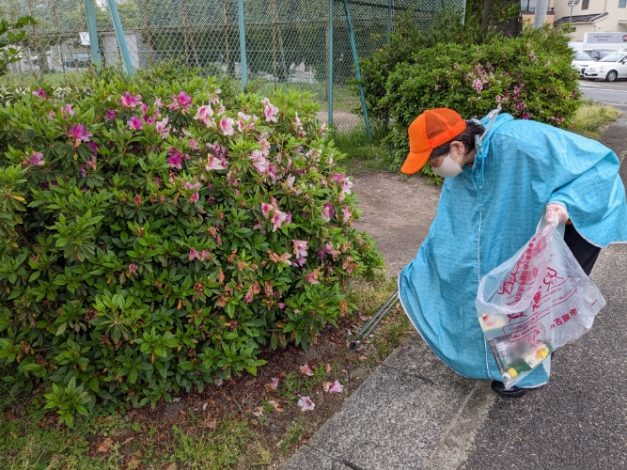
579 420
604 92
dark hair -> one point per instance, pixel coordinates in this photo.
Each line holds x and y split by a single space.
473 128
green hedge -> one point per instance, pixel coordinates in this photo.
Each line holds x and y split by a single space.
530 76
161 232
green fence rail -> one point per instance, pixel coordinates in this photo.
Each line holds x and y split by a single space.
313 45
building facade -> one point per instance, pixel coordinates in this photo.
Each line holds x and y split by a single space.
528 10
591 16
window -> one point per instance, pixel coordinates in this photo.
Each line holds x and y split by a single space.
622 3
585 3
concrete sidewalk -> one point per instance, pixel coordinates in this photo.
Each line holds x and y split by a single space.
414 413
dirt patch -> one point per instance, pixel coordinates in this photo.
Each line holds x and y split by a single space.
397 211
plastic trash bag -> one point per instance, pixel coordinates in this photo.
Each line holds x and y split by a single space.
535 302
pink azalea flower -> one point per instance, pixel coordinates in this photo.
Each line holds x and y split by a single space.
306 370
138 200
278 218
274 383
175 158
226 126
144 109
193 254
162 128
477 84
194 198
346 186
306 404
184 100
135 123
93 146
335 387
67 110
337 177
245 122
214 163
290 181
193 186
36 159
215 98
83 171
204 115
281 306
269 110
265 147
346 214
204 254
265 209
193 144
132 269
312 277
329 250
158 103
260 163
91 162
300 251
110 115
130 101
79 134
40 93
327 212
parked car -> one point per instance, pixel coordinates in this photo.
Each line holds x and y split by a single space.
581 61
611 67
598 54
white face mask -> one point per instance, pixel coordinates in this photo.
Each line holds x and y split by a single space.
449 168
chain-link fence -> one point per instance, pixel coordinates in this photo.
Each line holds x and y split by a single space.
287 42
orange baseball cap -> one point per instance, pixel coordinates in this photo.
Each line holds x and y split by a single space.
431 129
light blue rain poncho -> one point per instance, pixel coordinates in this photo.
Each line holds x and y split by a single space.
488 212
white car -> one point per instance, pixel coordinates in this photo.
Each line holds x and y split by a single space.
581 61
611 67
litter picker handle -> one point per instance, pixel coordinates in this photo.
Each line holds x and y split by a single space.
370 325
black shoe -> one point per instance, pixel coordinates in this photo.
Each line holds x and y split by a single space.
514 392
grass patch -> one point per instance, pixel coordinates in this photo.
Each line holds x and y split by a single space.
362 155
292 436
592 119
345 98
216 449
31 80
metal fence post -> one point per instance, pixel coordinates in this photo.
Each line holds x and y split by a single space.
389 25
330 64
119 34
93 33
362 95
243 62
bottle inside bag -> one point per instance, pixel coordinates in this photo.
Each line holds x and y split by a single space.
535 302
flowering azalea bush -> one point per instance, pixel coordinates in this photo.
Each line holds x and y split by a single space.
158 234
529 76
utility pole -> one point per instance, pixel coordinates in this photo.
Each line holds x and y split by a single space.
539 18
571 4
